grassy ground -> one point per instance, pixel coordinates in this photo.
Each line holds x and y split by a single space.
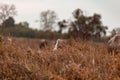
81 60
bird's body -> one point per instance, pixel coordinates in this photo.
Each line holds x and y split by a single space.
43 43
114 43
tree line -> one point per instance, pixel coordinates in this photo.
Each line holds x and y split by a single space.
81 26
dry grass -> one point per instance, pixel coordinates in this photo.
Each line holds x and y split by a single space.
83 60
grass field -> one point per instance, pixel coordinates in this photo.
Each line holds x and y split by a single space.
80 60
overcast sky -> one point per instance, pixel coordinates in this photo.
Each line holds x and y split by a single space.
29 10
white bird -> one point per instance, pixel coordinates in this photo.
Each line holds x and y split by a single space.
59 44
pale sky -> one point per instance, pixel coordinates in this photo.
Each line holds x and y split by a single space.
29 10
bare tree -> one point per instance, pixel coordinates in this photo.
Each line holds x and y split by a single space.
47 19
7 11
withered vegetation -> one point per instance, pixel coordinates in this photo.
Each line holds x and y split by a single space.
81 60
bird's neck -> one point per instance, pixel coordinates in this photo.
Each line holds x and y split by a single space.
56 45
